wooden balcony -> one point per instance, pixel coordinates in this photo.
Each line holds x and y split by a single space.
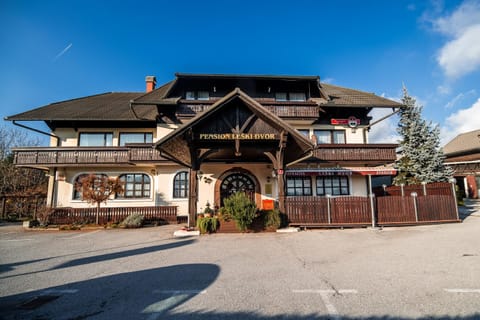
294 111
306 111
358 153
73 156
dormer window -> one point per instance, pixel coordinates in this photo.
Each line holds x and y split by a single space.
290 96
197 95
281 96
296 96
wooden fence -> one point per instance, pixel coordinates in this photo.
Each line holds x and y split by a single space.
433 203
160 214
333 211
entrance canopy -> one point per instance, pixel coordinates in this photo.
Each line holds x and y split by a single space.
234 129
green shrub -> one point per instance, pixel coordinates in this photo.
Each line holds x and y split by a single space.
241 209
207 224
224 215
133 221
272 219
207 209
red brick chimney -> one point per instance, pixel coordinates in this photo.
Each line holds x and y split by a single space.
151 81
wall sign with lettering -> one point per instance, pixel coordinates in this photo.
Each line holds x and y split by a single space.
237 136
352 122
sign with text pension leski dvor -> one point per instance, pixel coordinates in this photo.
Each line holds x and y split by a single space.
237 136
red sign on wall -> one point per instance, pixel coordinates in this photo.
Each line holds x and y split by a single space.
352 122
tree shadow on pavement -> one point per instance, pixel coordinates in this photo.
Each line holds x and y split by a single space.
470 207
160 293
98 258
131 295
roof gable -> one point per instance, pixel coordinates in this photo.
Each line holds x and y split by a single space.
340 96
225 114
463 143
110 106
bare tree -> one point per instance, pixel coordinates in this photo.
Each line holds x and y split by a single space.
13 180
97 188
11 137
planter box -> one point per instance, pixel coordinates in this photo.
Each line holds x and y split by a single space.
227 227
231 227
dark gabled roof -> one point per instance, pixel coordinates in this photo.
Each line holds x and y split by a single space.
112 106
335 95
157 96
163 94
468 142
133 106
239 76
340 96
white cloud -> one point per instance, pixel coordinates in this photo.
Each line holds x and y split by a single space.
461 54
386 130
466 15
461 121
444 89
458 98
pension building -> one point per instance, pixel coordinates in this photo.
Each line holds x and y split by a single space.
199 138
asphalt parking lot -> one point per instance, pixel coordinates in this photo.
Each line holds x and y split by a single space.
424 272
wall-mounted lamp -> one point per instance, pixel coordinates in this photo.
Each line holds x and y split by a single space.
208 180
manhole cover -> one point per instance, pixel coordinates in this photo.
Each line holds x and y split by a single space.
38 301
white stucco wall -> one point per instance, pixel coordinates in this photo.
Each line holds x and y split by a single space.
359 185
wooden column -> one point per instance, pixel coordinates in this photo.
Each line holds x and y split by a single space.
192 180
280 170
278 165
281 191
192 197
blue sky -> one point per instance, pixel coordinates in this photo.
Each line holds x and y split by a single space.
59 50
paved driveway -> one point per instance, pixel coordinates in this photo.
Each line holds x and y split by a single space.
426 272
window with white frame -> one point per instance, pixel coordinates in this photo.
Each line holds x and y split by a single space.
135 137
332 185
296 96
290 96
135 185
305 132
197 95
330 136
180 185
299 186
95 139
77 195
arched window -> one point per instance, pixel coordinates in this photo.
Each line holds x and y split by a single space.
77 195
135 185
237 182
180 185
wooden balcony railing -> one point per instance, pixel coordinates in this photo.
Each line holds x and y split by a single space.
287 111
50 156
305 111
381 153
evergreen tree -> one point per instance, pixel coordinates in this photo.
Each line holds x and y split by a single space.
421 157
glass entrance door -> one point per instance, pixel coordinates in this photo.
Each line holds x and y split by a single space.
237 182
